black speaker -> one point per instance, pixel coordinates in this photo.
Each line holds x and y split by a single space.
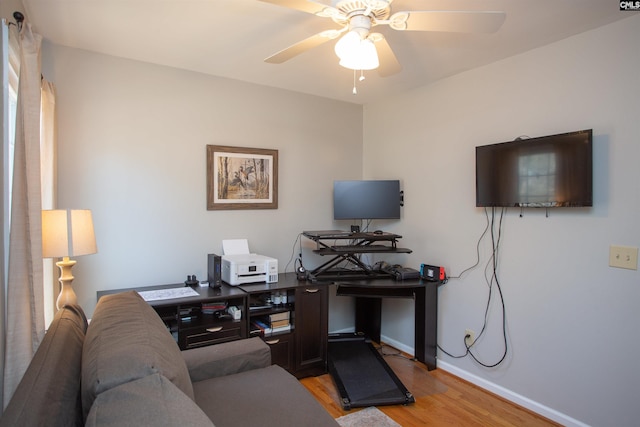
214 270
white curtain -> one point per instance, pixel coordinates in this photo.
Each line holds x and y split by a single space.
48 162
6 138
24 327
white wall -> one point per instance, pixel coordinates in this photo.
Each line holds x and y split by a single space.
132 140
571 319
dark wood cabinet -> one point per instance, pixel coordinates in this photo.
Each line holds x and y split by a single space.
311 330
302 349
282 350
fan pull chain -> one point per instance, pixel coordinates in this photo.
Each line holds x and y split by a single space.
355 91
361 78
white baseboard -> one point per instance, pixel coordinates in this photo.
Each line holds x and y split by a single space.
511 396
397 345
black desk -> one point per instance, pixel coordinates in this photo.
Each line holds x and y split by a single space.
369 294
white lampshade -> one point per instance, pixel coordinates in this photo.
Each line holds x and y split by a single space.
67 233
348 44
356 53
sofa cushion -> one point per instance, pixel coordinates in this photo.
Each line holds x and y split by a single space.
267 397
149 401
49 392
227 358
125 341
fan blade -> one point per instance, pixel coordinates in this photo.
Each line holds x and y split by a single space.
302 46
389 64
308 6
448 21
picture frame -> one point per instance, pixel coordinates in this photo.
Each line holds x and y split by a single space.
241 178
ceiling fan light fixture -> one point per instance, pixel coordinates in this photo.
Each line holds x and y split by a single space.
356 53
348 44
358 49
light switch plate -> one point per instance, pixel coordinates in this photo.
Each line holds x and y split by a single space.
623 257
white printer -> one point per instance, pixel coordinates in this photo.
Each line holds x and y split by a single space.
240 267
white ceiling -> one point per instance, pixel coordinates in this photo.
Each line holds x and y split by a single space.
230 38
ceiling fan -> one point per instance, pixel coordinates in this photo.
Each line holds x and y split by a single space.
358 17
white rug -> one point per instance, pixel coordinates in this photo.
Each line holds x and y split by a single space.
367 417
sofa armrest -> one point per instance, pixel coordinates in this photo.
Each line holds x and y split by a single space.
227 358
49 392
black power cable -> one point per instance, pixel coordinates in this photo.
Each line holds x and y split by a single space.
486 228
298 242
495 241
493 261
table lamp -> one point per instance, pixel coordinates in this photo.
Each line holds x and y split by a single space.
67 233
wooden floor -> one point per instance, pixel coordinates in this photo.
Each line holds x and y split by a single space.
441 399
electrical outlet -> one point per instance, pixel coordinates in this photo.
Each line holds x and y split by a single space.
469 337
623 257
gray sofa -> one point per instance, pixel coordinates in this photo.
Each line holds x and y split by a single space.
125 369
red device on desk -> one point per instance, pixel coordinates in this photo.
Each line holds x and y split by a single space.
432 273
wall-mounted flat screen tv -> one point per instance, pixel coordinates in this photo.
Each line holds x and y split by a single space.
547 171
367 199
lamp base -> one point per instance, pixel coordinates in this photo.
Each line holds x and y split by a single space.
67 295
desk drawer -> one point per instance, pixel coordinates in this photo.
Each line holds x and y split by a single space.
281 350
210 334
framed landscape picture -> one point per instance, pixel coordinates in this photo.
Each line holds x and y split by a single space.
241 178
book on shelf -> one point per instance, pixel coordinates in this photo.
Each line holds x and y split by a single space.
279 323
261 327
270 331
212 307
285 328
285 315
266 328
275 320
